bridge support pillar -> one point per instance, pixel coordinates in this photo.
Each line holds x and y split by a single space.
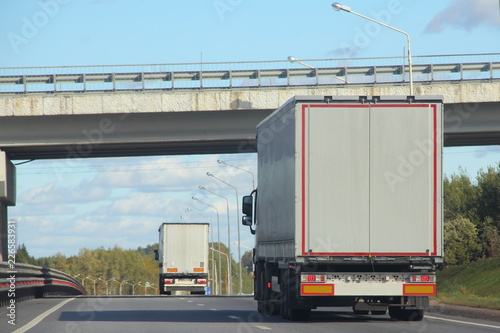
7 198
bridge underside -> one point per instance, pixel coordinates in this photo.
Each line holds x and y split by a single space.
179 133
133 134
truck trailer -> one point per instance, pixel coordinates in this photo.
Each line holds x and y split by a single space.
348 210
183 257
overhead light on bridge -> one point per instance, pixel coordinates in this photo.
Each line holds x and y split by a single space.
293 59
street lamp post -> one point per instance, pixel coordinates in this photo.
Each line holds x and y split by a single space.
218 234
211 235
114 280
105 281
292 59
228 264
121 284
133 286
89 278
215 286
81 278
337 6
236 167
237 222
228 229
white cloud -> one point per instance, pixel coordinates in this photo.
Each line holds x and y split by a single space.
52 193
36 210
139 204
466 14
122 202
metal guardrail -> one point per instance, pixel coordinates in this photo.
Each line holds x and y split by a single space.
212 75
26 281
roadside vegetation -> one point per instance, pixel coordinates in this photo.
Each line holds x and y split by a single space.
472 216
471 240
473 284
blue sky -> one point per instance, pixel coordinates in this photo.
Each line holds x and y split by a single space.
66 205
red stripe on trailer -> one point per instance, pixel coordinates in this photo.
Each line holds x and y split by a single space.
435 180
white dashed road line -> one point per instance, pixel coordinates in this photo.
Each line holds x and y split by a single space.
264 327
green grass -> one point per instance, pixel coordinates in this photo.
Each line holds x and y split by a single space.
475 284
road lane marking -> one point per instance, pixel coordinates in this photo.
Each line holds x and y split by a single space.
41 317
264 327
200 304
462 322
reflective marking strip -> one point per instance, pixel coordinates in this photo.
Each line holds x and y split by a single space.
199 270
419 289
172 270
317 289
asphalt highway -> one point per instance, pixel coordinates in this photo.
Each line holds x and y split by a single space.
205 314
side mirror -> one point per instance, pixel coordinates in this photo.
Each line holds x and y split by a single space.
157 256
246 220
247 206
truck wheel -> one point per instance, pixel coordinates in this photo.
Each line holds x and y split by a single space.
413 315
268 308
361 312
395 312
408 315
300 314
378 313
287 311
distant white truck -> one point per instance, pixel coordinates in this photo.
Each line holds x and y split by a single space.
183 257
348 210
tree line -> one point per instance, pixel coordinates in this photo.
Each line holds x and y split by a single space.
472 216
116 271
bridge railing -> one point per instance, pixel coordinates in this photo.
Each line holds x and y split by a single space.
248 74
24 282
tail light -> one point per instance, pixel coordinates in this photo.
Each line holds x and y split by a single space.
313 278
202 281
169 281
423 278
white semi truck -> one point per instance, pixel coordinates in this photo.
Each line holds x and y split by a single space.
183 257
348 210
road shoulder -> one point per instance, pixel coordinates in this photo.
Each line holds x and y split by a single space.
464 311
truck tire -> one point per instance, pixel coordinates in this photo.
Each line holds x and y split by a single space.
378 312
268 308
398 313
287 297
413 315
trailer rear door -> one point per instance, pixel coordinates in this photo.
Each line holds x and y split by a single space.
371 177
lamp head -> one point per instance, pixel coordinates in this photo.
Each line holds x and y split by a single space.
338 7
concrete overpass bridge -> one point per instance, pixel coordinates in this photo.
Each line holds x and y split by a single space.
78 112
61 112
